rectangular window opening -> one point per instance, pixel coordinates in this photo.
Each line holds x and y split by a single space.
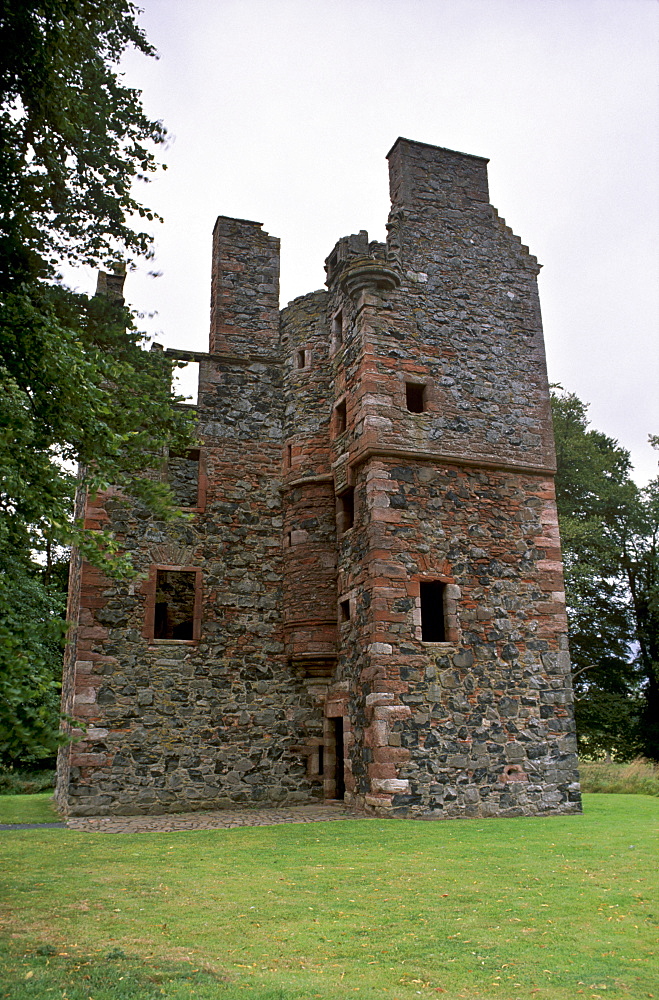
321 760
183 477
344 611
301 359
415 397
340 417
175 602
185 382
433 621
337 329
346 511
289 454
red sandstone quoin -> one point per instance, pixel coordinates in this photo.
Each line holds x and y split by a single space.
367 603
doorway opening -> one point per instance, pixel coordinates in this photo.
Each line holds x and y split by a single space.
337 741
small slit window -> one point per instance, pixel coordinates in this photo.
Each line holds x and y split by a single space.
433 619
301 359
183 477
415 397
346 511
174 605
340 417
344 611
337 330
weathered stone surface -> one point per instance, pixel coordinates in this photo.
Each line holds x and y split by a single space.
391 430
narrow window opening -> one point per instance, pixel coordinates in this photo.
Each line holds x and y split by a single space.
289 539
346 511
175 600
301 359
340 417
321 759
183 477
289 454
344 611
433 623
415 397
337 329
339 775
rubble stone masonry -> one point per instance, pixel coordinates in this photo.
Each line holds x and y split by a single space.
387 433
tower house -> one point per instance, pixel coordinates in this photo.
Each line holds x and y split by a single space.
367 603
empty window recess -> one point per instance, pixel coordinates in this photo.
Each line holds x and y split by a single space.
301 359
175 603
337 329
340 417
433 623
344 611
183 477
415 397
346 511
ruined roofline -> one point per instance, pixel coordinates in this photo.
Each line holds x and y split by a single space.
441 149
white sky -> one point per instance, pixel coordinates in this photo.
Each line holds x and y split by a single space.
282 111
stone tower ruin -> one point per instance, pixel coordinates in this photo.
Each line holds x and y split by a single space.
367 602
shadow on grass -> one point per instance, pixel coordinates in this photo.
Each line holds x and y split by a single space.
35 974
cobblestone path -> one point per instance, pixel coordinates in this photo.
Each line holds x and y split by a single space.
225 819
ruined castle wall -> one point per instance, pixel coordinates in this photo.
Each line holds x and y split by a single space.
388 434
472 314
244 289
487 726
181 724
460 493
309 529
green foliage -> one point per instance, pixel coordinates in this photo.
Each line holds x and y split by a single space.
639 777
609 533
21 781
73 138
371 908
31 633
76 385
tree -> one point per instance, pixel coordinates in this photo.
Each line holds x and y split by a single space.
76 385
609 532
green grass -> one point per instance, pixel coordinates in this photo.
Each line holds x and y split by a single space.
639 777
556 909
28 808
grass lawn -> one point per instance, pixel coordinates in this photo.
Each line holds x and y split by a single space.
555 909
28 809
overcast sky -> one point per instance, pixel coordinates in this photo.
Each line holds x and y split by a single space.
282 111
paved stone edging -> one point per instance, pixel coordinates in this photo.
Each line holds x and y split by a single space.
220 820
